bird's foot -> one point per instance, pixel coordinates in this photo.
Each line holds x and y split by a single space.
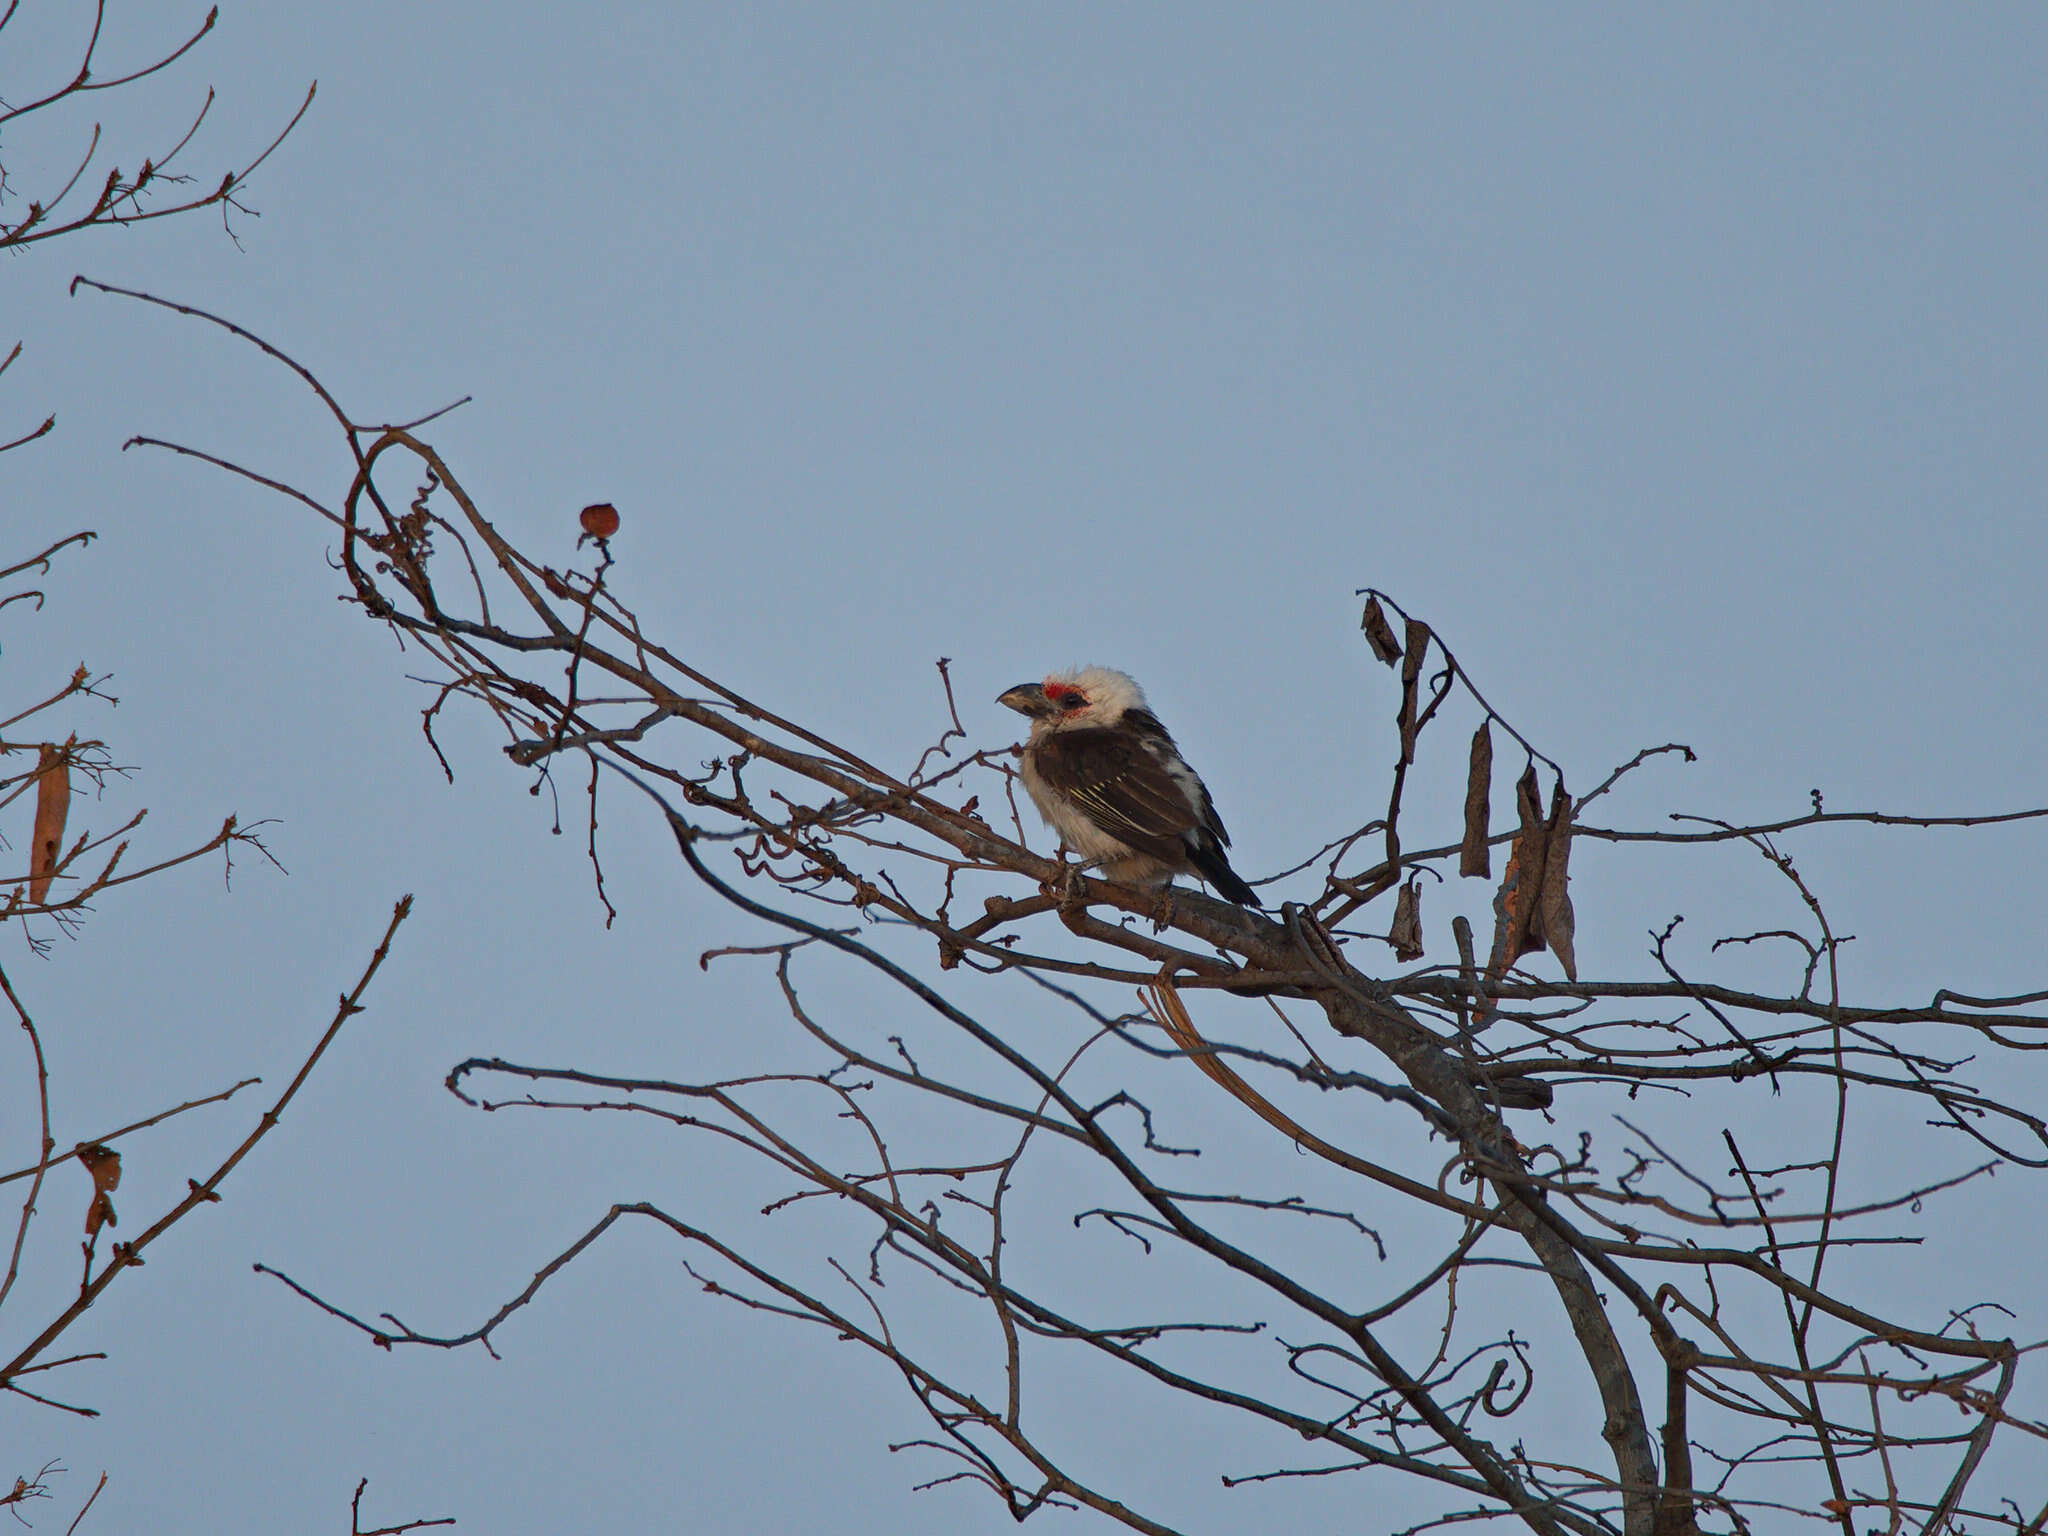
1068 887
1163 910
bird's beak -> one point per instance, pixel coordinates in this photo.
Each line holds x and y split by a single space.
1028 699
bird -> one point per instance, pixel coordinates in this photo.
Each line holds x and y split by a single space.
1108 779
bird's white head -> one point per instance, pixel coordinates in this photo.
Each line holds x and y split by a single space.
1087 696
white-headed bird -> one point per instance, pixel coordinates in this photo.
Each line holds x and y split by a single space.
1108 779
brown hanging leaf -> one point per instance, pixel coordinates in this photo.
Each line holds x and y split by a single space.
1411 677
104 1164
1517 922
53 804
1534 828
1473 855
1378 633
1406 933
1554 905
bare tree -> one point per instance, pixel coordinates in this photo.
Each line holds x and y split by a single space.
153 190
67 874
1585 1328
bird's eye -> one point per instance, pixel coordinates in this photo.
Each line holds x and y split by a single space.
1073 701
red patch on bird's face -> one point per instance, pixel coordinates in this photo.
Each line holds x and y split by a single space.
1067 697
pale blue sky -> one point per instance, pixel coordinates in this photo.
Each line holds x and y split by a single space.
1683 366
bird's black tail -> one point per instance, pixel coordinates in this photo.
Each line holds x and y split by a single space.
1212 866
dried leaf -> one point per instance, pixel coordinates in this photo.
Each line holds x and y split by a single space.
1473 855
1534 827
1378 633
53 804
1406 933
1555 903
1411 677
104 1164
1517 922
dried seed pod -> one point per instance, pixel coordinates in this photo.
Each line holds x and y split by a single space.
1473 856
1378 633
53 804
1406 933
1411 679
1517 920
1555 903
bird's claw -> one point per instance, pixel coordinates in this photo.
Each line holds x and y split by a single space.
1068 887
1163 910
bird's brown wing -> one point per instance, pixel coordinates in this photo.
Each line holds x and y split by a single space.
1122 787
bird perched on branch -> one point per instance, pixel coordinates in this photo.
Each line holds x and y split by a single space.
1107 777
